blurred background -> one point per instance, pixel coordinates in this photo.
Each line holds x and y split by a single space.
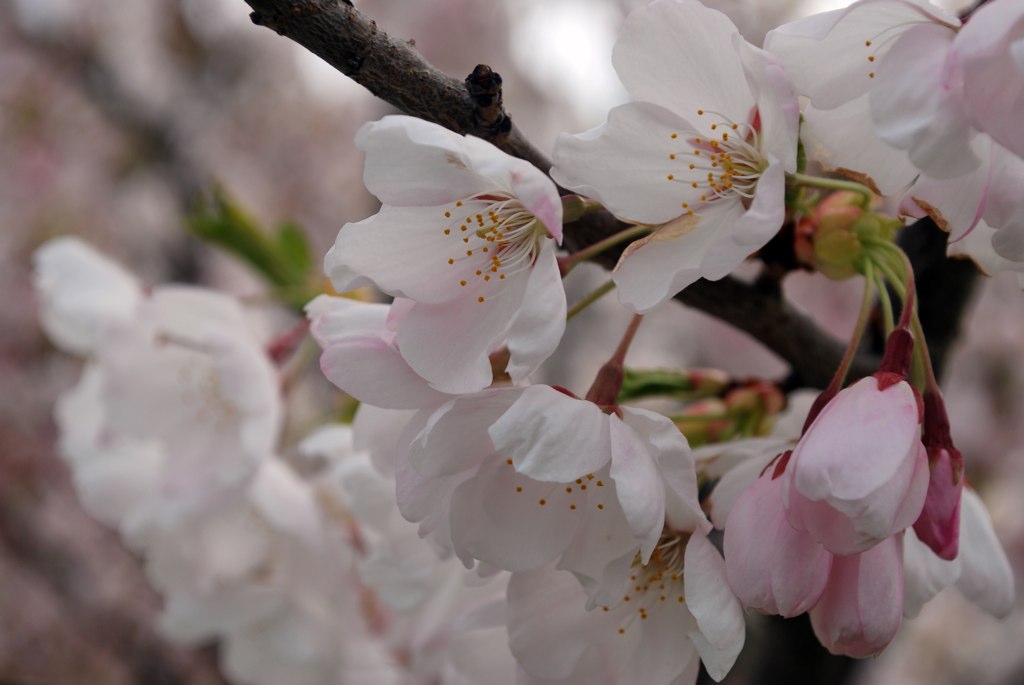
115 116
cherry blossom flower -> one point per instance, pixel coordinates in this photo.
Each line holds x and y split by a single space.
639 638
519 478
772 566
175 376
860 473
895 51
703 151
467 234
888 107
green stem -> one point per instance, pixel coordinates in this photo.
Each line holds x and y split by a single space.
836 184
858 330
889 319
575 207
590 299
600 246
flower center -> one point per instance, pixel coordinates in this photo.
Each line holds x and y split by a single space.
659 583
493 237
726 164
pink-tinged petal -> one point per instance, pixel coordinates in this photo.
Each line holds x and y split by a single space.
862 606
986 577
448 344
924 574
674 53
721 629
990 53
858 442
844 141
826 55
426 501
539 196
540 323
405 252
955 204
916 104
376 431
510 521
771 566
286 502
852 526
732 485
832 528
938 526
625 163
638 485
412 162
1004 206
455 436
657 267
549 629
552 437
372 370
778 107
81 293
333 317
977 246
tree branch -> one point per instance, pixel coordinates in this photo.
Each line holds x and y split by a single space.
395 72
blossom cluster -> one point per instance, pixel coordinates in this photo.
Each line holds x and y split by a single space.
474 525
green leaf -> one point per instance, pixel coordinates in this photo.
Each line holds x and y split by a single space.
283 257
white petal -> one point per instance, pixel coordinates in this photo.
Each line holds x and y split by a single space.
986 577
553 437
916 108
455 437
625 163
404 251
955 204
286 502
680 54
924 574
412 162
990 50
638 484
657 267
549 630
722 630
826 56
82 293
509 521
843 140
448 344
540 323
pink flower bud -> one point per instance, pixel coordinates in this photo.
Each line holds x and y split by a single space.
860 473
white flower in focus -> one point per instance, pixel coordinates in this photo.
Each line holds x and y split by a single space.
519 478
703 150
895 52
467 234
672 613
